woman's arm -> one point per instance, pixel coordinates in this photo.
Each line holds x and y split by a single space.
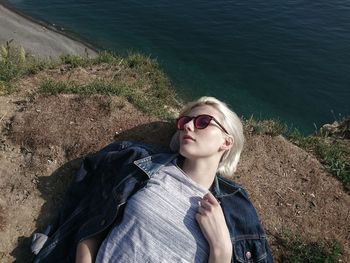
87 249
211 220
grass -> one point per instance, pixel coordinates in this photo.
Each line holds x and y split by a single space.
153 105
269 127
138 78
15 63
297 251
75 61
52 87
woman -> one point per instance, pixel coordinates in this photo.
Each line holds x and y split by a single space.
175 207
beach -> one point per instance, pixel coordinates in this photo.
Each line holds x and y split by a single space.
36 38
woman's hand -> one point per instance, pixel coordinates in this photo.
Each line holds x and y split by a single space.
85 252
87 249
213 225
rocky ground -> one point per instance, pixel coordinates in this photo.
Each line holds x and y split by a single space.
43 139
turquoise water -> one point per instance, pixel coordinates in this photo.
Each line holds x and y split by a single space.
281 59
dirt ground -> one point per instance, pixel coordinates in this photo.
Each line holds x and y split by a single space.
44 138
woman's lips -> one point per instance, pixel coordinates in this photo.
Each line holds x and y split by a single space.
187 137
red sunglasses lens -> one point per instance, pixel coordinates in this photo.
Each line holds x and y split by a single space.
182 121
202 121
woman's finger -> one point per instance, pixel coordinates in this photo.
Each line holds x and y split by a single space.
205 204
211 198
202 210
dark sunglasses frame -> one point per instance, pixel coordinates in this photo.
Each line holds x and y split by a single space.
196 123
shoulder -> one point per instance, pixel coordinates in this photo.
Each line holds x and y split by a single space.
141 146
116 153
235 200
227 187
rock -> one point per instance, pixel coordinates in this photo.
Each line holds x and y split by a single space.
337 129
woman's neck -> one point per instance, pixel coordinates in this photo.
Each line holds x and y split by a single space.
202 171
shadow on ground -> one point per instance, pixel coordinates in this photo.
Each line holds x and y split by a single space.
53 187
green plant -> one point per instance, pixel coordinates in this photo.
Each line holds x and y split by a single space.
272 127
35 65
137 97
12 61
75 60
333 156
297 251
15 63
137 78
3 87
51 87
84 61
136 60
106 57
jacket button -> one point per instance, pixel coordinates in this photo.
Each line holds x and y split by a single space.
103 222
248 255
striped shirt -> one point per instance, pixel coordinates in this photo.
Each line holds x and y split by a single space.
159 223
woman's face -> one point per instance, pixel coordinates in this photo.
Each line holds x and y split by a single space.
202 143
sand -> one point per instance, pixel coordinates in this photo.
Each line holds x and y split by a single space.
35 38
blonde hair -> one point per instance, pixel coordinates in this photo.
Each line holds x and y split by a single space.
232 124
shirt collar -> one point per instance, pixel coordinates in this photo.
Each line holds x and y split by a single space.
150 165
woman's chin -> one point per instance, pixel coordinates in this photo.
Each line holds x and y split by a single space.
188 153
184 152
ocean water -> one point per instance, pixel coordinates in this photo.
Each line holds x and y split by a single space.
271 59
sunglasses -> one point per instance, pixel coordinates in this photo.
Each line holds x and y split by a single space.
200 122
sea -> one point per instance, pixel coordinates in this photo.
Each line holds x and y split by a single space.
287 60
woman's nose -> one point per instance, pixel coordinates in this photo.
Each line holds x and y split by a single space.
189 126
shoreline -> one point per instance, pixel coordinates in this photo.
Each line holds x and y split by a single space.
37 37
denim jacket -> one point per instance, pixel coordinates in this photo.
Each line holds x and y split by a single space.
95 200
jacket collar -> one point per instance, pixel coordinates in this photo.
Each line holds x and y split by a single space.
151 164
223 187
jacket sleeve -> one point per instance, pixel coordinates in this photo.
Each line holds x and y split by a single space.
112 162
78 188
78 191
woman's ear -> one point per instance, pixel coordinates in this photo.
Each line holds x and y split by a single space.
228 143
